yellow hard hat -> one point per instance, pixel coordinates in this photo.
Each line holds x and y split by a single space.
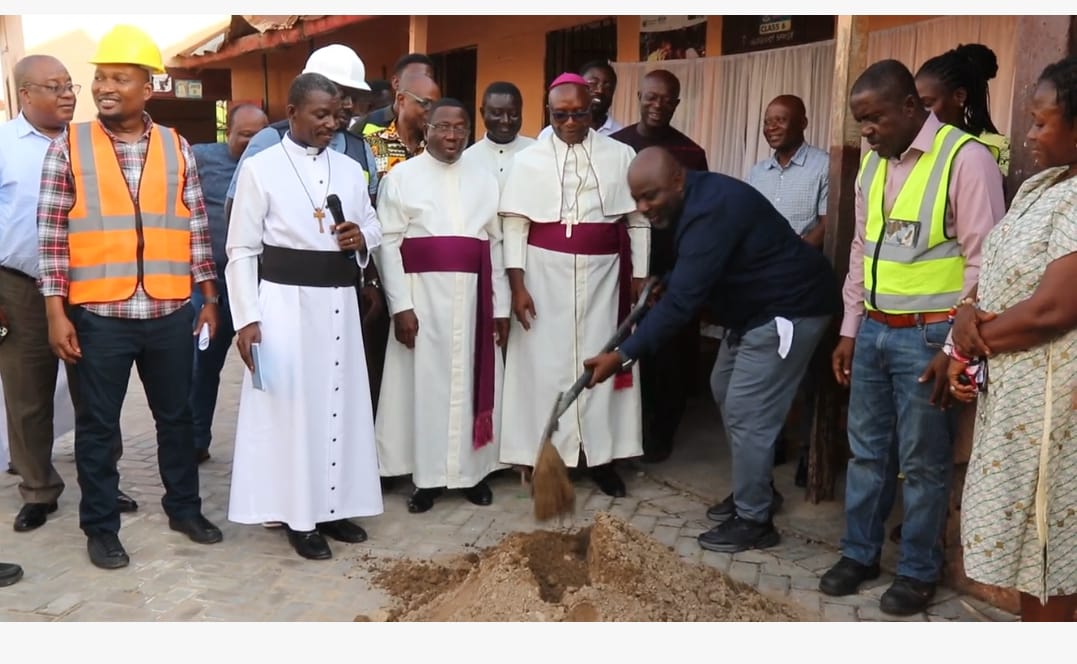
128 45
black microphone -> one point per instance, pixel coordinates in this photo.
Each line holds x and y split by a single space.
333 203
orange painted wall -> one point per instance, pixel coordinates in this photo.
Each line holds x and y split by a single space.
510 48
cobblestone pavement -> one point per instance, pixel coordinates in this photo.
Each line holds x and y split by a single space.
254 575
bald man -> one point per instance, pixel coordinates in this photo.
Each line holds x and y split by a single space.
772 293
796 177
666 378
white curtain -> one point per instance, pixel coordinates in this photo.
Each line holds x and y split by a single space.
723 99
916 43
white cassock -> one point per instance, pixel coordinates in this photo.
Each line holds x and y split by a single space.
561 189
63 418
304 450
426 410
496 157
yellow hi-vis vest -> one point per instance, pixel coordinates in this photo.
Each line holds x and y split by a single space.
910 264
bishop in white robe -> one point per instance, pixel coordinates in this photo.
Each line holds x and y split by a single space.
441 267
571 228
304 451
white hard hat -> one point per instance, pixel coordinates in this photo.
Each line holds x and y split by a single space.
339 64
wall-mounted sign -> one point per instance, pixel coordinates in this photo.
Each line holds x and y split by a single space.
162 83
672 37
188 89
743 34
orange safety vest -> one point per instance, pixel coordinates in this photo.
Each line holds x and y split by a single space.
116 242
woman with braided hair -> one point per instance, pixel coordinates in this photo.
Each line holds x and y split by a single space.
1019 507
954 87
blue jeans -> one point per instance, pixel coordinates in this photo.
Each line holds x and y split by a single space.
160 349
206 378
894 428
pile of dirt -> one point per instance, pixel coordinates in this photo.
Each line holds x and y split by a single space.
609 572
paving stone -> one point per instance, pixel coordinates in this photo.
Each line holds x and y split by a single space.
666 535
717 560
771 583
812 601
644 522
872 612
744 572
839 612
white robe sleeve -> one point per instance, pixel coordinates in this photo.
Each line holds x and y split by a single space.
244 245
394 223
502 298
514 231
370 227
639 236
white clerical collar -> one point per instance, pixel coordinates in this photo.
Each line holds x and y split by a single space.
494 145
296 148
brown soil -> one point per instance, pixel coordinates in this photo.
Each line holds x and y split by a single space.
608 572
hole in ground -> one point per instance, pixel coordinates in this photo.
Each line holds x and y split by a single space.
558 562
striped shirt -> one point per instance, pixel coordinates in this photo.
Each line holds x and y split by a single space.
799 190
57 197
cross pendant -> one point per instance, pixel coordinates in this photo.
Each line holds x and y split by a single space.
319 214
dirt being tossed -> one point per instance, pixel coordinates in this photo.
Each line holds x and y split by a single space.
608 572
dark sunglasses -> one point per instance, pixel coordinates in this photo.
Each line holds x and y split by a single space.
564 116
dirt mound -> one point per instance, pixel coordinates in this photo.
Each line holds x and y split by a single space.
610 572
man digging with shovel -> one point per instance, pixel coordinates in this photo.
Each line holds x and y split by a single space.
772 293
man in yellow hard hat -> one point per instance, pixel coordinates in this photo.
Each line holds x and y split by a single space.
122 236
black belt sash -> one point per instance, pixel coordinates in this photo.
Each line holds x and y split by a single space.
302 267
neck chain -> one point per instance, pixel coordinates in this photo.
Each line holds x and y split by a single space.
319 210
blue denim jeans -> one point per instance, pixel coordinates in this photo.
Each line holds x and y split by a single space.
208 363
894 428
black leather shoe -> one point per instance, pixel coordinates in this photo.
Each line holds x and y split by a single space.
480 494
724 510
309 544
202 456
737 534
9 573
608 480
422 500
845 577
33 515
198 528
106 551
906 596
125 503
342 530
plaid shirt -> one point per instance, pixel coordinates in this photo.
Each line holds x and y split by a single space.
58 197
388 149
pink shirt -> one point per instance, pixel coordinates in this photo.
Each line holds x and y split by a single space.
975 205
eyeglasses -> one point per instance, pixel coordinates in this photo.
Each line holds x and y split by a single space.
447 129
425 103
57 90
564 116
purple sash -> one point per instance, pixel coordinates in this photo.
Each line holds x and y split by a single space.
594 239
470 255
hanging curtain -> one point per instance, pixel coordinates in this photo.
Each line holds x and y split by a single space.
916 43
723 99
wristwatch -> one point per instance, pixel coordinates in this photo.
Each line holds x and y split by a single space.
372 282
215 299
626 361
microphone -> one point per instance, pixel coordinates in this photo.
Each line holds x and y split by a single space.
333 203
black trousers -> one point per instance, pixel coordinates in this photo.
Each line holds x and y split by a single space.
667 379
161 350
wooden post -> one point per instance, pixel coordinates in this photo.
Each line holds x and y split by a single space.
417 31
1040 41
829 444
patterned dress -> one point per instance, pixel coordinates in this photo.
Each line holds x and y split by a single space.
1019 510
388 149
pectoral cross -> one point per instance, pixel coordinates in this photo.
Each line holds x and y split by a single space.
319 214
